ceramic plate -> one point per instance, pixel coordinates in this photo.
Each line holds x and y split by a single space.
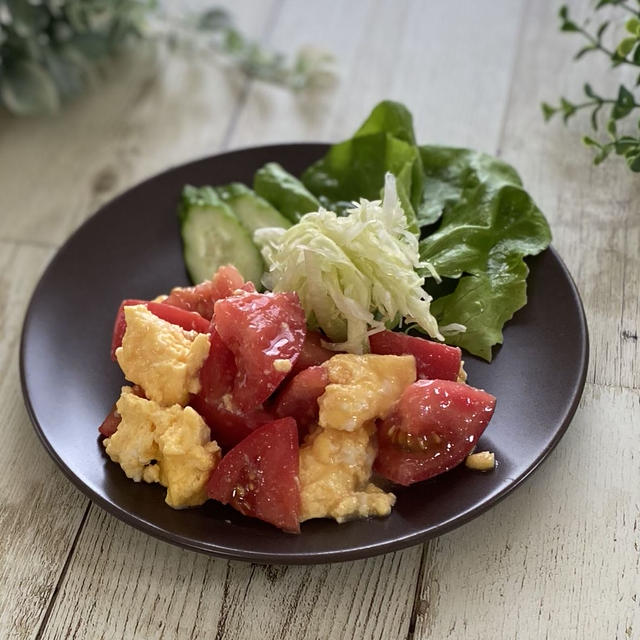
131 249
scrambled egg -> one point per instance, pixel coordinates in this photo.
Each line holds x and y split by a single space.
169 445
335 467
363 388
336 458
161 357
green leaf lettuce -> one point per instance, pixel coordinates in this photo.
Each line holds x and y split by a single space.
488 224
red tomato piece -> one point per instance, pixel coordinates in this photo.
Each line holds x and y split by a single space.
299 398
214 402
313 353
260 329
188 320
433 428
434 360
202 297
259 476
228 428
120 325
110 424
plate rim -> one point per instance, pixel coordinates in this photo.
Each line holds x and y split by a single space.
299 558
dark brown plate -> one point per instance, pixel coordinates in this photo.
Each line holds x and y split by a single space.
131 249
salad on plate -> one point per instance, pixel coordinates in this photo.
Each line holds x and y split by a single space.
316 362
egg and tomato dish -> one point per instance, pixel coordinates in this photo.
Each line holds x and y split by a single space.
233 399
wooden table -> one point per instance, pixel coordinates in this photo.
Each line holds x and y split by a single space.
559 558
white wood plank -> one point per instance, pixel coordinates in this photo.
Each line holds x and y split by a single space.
149 113
593 211
40 511
559 558
450 63
124 584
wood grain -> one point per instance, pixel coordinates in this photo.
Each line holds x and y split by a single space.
123 584
153 110
559 557
40 512
452 73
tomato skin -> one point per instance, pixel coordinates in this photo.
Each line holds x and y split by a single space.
228 425
444 420
110 424
259 476
195 301
434 360
312 353
259 329
188 320
299 398
202 297
120 325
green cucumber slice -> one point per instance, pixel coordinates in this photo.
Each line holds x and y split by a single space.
212 236
252 211
284 191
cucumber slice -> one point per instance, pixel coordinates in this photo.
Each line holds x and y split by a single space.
213 236
284 191
252 211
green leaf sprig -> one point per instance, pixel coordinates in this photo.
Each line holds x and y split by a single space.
620 106
51 50
309 68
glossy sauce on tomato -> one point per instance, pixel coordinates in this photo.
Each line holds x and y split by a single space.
265 332
433 428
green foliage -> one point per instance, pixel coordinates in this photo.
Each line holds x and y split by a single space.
619 107
488 224
356 167
50 50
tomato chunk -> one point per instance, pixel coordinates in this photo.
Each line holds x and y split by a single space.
433 428
202 297
313 353
299 398
434 361
214 402
188 320
265 333
110 424
259 476
120 325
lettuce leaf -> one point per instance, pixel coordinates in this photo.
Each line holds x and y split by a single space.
488 224
355 168
483 303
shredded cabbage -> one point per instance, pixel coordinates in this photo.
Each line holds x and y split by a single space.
355 275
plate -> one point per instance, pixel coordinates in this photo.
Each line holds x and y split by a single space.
131 249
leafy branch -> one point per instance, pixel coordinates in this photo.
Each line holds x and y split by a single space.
626 52
51 51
